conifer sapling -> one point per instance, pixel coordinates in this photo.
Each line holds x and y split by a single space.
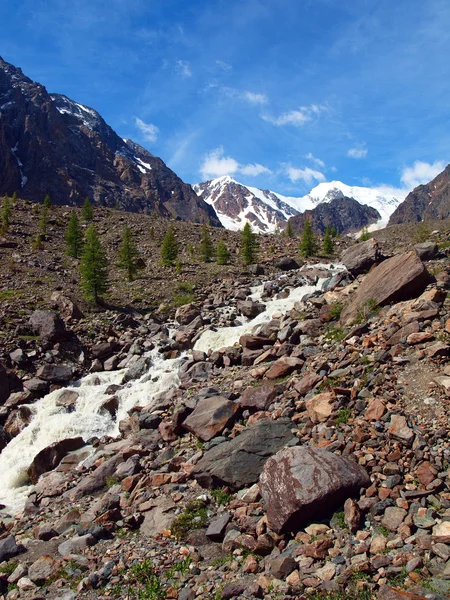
74 237
169 248
128 253
93 267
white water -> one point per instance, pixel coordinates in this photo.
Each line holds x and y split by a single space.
51 423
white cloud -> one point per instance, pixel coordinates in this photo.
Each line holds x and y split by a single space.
315 161
307 175
297 117
224 66
357 152
421 172
184 68
253 169
149 132
254 98
215 164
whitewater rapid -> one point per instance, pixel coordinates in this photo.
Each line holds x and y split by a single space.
51 423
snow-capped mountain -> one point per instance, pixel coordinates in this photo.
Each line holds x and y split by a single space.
237 204
268 211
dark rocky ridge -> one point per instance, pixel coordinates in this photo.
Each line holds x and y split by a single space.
52 145
425 202
345 214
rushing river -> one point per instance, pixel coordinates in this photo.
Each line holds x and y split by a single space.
51 423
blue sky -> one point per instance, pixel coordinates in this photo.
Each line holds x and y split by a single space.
281 94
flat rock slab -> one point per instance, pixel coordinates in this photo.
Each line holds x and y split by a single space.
300 484
210 417
50 457
361 257
401 277
159 517
260 397
239 462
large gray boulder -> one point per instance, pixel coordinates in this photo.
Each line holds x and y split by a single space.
238 463
9 548
300 484
49 326
426 250
210 417
55 373
360 257
401 277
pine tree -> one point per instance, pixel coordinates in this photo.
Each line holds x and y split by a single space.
308 243
74 237
128 253
43 221
365 235
328 246
334 232
223 256
47 202
206 245
249 245
87 211
6 215
14 197
169 248
93 267
289 231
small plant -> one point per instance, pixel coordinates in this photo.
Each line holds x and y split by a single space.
9 567
343 416
111 481
336 310
221 496
369 308
365 235
421 233
178 267
47 202
194 516
335 333
338 518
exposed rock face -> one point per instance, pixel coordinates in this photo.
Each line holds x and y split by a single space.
52 145
425 202
48 325
236 204
238 463
345 214
361 257
300 483
401 277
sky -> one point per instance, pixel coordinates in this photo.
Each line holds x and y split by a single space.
280 94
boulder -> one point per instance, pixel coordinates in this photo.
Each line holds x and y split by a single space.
255 342
210 417
36 385
49 326
284 366
42 569
67 399
259 397
17 420
360 257
238 463
249 308
426 250
187 313
401 277
50 457
76 544
103 350
96 480
55 373
66 307
287 264
8 383
9 548
300 484
137 369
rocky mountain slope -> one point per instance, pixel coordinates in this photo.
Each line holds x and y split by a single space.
309 460
236 204
346 215
52 145
425 202
268 211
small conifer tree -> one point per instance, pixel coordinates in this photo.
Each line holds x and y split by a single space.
74 237
93 267
328 246
334 232
223 255
249 245
43 221
47 202
128 253
87 210
206 245
169 248
179 266
6 215
308 243
289 230
37 244
14 197
365 235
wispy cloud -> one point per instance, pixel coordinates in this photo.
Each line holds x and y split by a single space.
184 68
148 131
357 152
309 176
297 117
250 97
420 173
315 161
224 66
215 164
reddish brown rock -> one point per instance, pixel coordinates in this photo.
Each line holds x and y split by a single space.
306 383
259 397
254 342
402 334
426 473
399 429
302 483
284 366
210 417
419 338
401 277
375 410
352 515
50 457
